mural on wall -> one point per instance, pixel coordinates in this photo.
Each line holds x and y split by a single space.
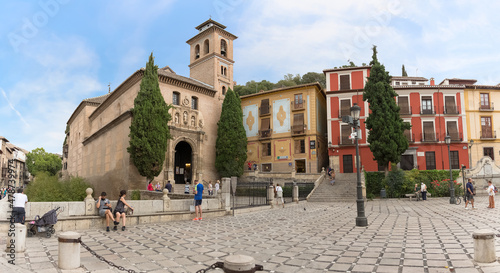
250 120
281 116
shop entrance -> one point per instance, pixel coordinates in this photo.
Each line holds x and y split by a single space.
183 163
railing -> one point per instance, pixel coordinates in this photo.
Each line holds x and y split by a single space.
488 134
298 106
410 137
405 110
344 140
427 111
455 137
265 133
298 129
489 107
429 137
451 110
251 194
344 112
264 111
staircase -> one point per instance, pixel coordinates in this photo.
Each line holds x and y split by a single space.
344 189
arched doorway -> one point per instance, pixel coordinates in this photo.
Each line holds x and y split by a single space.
183 163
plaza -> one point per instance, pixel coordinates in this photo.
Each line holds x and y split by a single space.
402 236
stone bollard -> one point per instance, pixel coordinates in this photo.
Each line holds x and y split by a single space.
270 196
166 200
69 250
295 194
241 263
17 243
484 246
90 208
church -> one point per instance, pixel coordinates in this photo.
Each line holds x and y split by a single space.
97 133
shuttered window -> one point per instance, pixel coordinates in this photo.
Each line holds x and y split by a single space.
449 104
429 131
452 130
345 108
345 133
454 160
266 149
403 105
345 82
264 107
430 161
265 124
299 146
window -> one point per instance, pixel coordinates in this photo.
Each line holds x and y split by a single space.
345 133
300 146
223 90
196 52
347 163
176 98
298 103
430 161
454 160
298 127
406 162
398 83
264 107
265 128
488 151
427 105
345 108
266 149
408 136
267 167
449 105
413 82
429 131
223 47
404 108
206 46
486 127
194 103
485 100
452 130
345 82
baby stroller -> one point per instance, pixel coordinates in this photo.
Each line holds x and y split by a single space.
44 224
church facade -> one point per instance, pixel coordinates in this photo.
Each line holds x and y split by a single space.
98 130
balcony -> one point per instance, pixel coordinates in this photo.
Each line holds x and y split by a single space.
456 137
429 137
489 107
344 112
428 111
263 134
264 110
485 135
450 110
405 111
344 140
410 137
298 130
300 105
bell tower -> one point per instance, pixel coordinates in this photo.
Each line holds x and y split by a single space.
211 56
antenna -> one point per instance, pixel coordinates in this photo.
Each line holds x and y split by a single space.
109 87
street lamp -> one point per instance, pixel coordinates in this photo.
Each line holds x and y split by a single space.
361 220
470 153
447 139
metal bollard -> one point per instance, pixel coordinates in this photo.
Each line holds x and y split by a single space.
484 246
69 250
241 264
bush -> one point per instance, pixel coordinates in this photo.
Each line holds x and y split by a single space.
394 182
374 182
442 188
47 188
136 195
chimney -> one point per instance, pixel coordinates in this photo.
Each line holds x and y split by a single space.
432 81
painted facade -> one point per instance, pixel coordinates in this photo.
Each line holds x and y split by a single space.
434 111
286 129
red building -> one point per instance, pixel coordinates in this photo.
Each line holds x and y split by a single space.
434 111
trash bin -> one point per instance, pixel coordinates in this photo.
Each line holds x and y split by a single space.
382 193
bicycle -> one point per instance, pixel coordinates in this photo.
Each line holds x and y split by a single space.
458 199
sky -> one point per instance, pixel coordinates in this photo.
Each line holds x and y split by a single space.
55 53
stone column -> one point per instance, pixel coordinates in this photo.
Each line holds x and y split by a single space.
484 246
16 244
270 195
69 250
90 208
295 194
225 193
166 200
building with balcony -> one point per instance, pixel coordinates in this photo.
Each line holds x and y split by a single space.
434 111
482 120
286 129
8 151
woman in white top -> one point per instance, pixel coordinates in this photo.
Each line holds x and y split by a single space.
491 193
279 195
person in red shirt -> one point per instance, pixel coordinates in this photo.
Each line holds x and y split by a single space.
150 186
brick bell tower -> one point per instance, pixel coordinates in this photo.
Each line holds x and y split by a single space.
211 56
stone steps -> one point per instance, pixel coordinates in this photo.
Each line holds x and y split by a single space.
344 189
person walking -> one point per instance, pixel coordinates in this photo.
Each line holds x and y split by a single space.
20 200
423 190
469 194
198 192
120 210
491 195
104 207
279 195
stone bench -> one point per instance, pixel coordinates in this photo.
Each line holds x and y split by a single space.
412 195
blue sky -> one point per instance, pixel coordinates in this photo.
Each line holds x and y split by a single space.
55 53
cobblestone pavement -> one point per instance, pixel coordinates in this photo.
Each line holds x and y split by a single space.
403 236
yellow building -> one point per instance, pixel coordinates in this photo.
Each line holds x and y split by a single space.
286 129
483 121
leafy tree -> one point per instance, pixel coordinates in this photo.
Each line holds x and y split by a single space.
394 181
38 160
231 144
403 72
47 188
311 77
288 80
149 131
386 137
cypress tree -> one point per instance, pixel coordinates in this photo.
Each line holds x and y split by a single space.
403 72
231 145
149 131
386 128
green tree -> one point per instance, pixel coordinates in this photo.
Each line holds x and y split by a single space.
38 160
386 137
403 72
231 144
149 131
311 77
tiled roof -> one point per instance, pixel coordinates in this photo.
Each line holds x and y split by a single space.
471 81
171 74
346 68
479 86
403 78
285 88
416 86
98 99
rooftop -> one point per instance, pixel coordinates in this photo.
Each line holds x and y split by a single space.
406 78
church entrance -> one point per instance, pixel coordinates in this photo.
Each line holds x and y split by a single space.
183 163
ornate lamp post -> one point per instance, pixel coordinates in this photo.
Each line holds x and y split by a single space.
470 153
447 139
361 220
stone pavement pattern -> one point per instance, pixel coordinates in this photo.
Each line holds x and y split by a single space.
402 237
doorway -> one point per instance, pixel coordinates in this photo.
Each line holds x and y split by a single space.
183 163
347 163
300 166
406 162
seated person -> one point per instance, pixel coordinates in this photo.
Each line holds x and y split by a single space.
417 192
105 209
120 210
